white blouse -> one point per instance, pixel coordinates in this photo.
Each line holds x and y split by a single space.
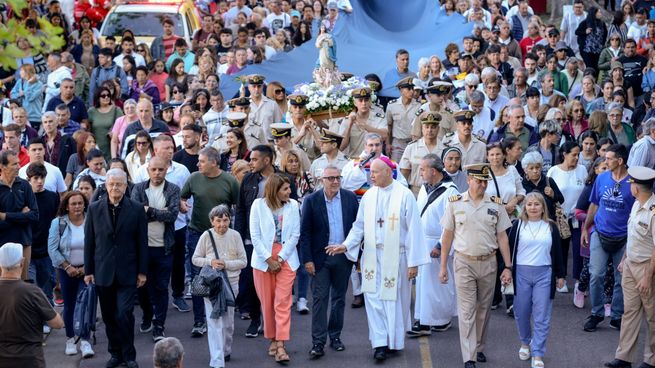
535 241
570 183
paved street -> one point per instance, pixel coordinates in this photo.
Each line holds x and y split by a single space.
568 345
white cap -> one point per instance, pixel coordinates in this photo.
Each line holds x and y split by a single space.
10 255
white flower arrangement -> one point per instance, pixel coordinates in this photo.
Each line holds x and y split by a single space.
333 99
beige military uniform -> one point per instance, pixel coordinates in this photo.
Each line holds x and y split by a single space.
357 144
399 119
639 251
304 160
318 165
447 124
411 160
474 153
475 242
307 143
265 114
254 133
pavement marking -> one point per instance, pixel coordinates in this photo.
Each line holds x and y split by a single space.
424 347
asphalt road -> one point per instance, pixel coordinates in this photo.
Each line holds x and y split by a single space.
568 346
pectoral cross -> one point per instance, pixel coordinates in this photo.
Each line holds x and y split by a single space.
380 222
393 220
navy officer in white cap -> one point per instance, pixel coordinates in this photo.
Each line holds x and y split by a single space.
637 268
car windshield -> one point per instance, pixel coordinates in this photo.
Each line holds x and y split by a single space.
142 24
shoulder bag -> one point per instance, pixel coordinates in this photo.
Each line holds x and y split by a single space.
560 217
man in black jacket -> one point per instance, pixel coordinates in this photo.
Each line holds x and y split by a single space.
252 187
328 215
116 259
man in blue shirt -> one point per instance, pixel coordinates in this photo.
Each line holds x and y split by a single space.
394 75
611 202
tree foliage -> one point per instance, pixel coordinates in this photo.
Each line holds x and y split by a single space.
48 40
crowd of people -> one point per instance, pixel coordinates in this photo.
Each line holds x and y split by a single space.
515 168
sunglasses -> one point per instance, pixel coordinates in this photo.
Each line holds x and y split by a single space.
176 91
104 95
278 91
140 50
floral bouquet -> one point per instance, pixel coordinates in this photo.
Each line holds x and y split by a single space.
331 102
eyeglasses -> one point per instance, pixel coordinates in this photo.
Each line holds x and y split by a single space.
278 91
176 91
142 143
333 178
104 95
140 50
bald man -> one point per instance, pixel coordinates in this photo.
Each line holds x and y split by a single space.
161 202
389 222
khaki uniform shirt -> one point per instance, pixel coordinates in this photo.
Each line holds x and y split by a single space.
318 165
447 124
475 228
411 160
307 143
475 153
400 117
356 144
265 114
641 225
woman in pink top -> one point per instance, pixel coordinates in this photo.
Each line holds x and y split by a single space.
121 123
158 76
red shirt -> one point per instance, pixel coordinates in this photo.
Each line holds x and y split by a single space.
169 45
23 158
160 81
527 44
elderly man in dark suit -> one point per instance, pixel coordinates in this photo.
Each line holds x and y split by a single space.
327 216
116 259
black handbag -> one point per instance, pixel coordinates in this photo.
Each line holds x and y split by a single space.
199 285
612 244
230 300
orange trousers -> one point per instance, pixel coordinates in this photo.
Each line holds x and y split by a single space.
274 292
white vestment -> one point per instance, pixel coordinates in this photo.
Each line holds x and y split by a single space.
435 302
388 320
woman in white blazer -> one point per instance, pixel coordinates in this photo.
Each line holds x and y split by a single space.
274 230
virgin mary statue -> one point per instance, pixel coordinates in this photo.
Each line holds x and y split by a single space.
326 72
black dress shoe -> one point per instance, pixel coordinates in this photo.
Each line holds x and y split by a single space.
646 365
113 362
481 358
380 353
592 323
337 345
358 301
469 364
616 324
317 351
618 363
227 358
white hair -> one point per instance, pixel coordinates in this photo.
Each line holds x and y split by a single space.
118 174
423 62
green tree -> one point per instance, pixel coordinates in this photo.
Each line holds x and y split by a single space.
13 29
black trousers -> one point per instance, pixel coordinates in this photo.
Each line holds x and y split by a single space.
153 296
247 300
329 285
117 307
178 272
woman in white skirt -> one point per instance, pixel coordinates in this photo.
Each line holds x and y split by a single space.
232 258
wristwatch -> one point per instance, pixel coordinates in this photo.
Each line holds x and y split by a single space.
508 267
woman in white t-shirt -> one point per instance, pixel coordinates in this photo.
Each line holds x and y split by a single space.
570 177
537 261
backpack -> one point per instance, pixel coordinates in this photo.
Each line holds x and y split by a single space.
84 316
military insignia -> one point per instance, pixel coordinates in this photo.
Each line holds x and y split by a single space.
393 101
419 111
455 198
448 110
368 274
652 209
299 99
379 115
494 198
448 135
492 212
389 283
644 225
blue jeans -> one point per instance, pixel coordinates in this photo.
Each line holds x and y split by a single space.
192 237
42 272
597 269
532 301
70 287
303 282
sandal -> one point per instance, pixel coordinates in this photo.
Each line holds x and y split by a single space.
272 348
537 363
281 355
524 353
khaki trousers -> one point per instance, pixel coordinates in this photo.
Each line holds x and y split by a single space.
635 305
474 282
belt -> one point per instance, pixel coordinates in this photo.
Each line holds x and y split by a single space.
477 258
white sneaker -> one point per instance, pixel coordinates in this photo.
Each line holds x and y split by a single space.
302 306
564 289
87 351
46 329
71 346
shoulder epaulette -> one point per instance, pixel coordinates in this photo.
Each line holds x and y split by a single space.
379 115
419 111
448 110
448 135
652 209
480 138
393 101
496 199
455 198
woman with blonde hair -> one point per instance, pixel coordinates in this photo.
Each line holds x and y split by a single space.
436 67
558 101
598 123
276 92
239 169
274 230
503 117
575 124
143 50
536 264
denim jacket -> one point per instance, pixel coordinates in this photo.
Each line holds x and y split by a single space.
59 246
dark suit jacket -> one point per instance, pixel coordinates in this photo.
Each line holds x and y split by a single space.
116 254
314 225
